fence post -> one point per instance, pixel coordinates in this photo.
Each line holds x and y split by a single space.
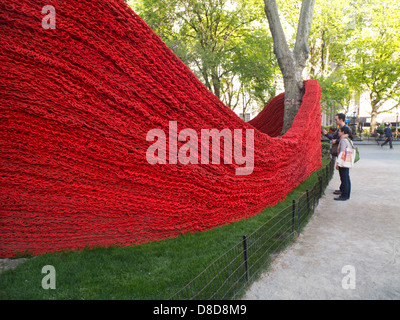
246 267
327 174
293 213
298 216
320 187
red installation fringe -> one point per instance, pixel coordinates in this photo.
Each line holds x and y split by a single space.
76 104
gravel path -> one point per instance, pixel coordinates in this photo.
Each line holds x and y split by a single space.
349 249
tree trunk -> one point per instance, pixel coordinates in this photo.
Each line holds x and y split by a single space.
291 62
216 82
294 91
375 104
372 129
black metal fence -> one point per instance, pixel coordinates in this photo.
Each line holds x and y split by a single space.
231 273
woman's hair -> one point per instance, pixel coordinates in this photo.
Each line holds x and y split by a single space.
346 130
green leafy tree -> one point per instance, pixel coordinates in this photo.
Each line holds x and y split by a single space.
373 61
336 95
223 42
330 32
327 42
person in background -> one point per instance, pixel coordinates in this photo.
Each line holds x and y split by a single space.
389 135
360 129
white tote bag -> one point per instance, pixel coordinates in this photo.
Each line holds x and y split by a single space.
346 158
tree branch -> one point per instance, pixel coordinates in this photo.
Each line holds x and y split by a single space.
393 91
390 109
281 48
301 49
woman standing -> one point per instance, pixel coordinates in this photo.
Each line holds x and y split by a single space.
345 187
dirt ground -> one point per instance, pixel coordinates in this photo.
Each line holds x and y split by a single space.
349 249
6 264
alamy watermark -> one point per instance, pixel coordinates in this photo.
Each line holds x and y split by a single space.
349 280
189 151
49 280
49 20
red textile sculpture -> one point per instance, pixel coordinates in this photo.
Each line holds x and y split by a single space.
76 104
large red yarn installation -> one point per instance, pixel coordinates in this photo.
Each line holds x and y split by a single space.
270 119
76 105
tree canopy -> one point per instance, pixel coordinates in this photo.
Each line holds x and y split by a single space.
226 43
373 53
354 47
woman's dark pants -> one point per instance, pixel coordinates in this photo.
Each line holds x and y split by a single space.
345 186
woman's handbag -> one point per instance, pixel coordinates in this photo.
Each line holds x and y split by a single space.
347 157
357 155
334 150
